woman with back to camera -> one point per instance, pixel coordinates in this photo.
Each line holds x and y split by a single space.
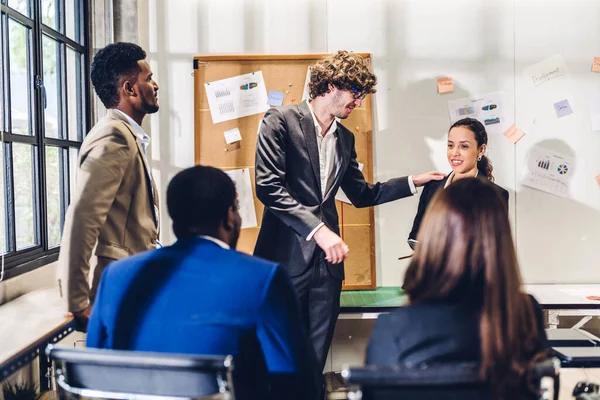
467 143
466 302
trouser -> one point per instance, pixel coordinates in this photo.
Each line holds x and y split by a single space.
319 296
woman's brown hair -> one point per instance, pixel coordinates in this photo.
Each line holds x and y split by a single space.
466 254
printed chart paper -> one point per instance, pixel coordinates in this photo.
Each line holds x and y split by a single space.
488 109
243 188
548 171
237 97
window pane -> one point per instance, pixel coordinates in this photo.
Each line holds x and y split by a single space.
3 234
50 50
73 163
21 6
75 98
53 194
49 17
18 35
25 210
72 19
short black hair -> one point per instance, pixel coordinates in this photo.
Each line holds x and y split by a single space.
198 199
111 65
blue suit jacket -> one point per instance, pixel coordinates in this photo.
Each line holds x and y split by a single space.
197 298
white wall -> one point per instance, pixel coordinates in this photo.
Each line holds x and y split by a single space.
483 45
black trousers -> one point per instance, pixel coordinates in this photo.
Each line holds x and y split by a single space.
319 296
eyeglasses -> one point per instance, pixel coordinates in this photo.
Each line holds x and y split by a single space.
358 95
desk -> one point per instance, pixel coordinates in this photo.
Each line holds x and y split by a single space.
368 304
569 299
30 322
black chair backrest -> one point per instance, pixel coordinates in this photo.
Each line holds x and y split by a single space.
440 381
102 373
443 381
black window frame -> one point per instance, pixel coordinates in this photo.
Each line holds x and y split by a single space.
17 262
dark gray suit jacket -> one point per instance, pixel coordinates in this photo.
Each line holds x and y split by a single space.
288 184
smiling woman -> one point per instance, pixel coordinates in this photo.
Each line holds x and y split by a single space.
467 143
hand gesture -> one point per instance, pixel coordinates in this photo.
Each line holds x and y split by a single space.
334 247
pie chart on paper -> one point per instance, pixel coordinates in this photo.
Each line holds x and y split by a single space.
563 169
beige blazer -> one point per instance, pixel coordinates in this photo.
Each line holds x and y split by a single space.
114 208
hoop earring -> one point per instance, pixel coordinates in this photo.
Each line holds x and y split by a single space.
479 158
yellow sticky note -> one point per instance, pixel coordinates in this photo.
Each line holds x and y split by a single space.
596 64
598 179
445 85
514 134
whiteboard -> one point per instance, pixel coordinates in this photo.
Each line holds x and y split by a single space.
483 45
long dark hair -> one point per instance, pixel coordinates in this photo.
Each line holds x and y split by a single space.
466 255
484 165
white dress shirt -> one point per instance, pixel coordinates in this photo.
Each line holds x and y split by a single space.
220 243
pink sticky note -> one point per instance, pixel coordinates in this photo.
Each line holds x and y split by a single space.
596 64
514 134
445 85
593 297
598 179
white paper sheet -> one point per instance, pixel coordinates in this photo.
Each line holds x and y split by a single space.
237 97
546 70
549 171
305 94
340 195
232 135
243 187
488 109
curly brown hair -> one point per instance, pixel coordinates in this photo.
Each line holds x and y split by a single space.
344 70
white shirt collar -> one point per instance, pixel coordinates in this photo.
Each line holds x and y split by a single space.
137 129
318 128
218 242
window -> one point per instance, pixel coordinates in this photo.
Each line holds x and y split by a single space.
44 114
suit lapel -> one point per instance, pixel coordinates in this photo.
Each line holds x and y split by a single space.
152 187
310 136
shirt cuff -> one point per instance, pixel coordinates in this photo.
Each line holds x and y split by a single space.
312 233
413 188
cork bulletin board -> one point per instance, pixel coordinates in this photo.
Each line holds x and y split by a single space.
287 74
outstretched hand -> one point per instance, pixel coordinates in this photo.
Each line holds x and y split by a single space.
421 179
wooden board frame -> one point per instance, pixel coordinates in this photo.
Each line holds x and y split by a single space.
285 73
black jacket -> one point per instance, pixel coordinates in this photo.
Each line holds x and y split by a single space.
433 332
288 184
429 190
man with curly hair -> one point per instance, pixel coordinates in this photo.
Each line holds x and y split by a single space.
115 201
303 157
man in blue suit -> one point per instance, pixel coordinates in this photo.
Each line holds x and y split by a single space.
200 296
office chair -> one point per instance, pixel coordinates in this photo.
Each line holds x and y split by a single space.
117 374
441 381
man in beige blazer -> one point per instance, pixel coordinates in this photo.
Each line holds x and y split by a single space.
115 201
